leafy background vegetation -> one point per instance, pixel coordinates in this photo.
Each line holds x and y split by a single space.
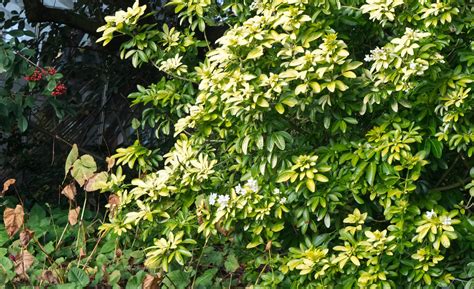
275 144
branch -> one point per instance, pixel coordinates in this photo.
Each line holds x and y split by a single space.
37 12
452 186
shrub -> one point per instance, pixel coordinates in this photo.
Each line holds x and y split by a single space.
319 144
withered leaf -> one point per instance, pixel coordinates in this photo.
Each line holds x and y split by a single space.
49 277
13 219
6 186
82 253
110 163
23 262
73 215
150 282
25 237
70 191
96 182
118 253
114 202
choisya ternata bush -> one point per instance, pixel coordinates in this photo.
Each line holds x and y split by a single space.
319 144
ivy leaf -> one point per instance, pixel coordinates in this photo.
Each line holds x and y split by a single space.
83 169
231 264
78 276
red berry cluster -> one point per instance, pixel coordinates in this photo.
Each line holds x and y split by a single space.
39 73
36 76
51 70
60 89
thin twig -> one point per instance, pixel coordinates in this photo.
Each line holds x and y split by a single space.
198 261
452 186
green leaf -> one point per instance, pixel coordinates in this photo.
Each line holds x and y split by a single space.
205 280
255 53
22 123
78 276
279 141
177 279
114 277
231 264
279 108
245 144
6 263
370 173
321 178
290 101
311 185
436 148
71 158
285 176
3 236
51 85
136 281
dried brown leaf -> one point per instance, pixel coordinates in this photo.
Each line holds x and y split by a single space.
110 163
49 277
70 191
150 282
114 202
73 215
25 237
96 182
23 262
13 219
268 246
118 253
6 186
82 253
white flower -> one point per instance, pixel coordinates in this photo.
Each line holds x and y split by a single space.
212 199
368 58
239 190
252 184
254 5
282 200
430 214
412 65
276 191
447 221
223 200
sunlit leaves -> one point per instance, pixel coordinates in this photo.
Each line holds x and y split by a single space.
83 168
287 137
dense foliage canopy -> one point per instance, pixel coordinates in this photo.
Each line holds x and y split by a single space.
318 144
